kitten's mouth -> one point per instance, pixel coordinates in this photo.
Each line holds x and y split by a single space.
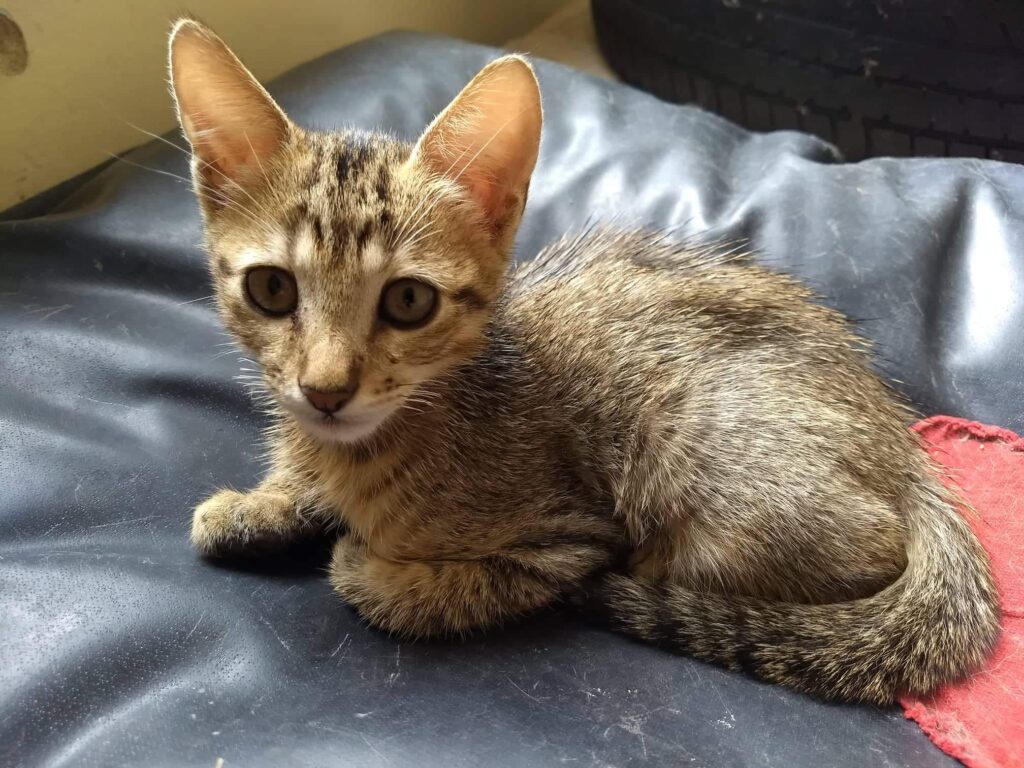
356 420
339 421
343 427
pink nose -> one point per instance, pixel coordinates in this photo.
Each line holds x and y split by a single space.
328 402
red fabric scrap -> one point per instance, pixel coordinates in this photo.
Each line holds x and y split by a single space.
980 721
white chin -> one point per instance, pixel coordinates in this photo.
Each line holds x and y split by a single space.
342 427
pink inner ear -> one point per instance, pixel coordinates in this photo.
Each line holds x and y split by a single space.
489 177
233 136
486 141
488 195
491 162
236 153
232 123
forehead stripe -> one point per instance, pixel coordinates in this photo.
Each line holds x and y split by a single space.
364 236
350 161
318 230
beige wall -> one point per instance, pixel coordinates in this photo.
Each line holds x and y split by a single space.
97 65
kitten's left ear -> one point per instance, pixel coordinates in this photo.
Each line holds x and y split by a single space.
487 140
231 122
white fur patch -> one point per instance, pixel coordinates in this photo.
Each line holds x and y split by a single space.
274 254
353 423
255 257
374 258
303 249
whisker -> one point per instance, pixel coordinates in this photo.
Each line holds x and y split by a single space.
216 193
168 142
193 301
125 160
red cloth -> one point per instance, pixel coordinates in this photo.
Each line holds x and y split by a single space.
981 720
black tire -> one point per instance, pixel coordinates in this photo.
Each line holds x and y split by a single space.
874 77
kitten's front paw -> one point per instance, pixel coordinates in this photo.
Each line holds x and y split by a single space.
231 523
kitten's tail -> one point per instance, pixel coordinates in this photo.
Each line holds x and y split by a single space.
934 624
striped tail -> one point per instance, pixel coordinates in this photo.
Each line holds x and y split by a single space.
935 624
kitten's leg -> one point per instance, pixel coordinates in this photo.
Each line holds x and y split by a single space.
230 522
425 598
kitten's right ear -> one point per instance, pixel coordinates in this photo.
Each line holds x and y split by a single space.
231 122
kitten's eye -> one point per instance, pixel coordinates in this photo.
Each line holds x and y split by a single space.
407 303
272 290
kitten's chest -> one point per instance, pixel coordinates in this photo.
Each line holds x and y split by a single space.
376 500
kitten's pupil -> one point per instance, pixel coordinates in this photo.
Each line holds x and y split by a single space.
272 290
407 303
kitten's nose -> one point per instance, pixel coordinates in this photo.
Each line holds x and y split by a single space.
328 402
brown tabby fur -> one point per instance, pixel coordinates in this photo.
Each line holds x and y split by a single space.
618 394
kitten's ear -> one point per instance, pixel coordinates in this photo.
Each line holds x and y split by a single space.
487 140
231 122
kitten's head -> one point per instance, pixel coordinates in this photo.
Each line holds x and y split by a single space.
355 267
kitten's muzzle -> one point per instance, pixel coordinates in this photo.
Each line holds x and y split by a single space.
331 401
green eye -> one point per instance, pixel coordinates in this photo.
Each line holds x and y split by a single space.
272 290
407 303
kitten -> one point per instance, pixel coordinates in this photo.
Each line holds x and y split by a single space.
497 441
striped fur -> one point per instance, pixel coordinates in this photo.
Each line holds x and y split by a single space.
683 443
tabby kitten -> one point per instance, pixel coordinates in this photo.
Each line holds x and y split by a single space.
675 438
